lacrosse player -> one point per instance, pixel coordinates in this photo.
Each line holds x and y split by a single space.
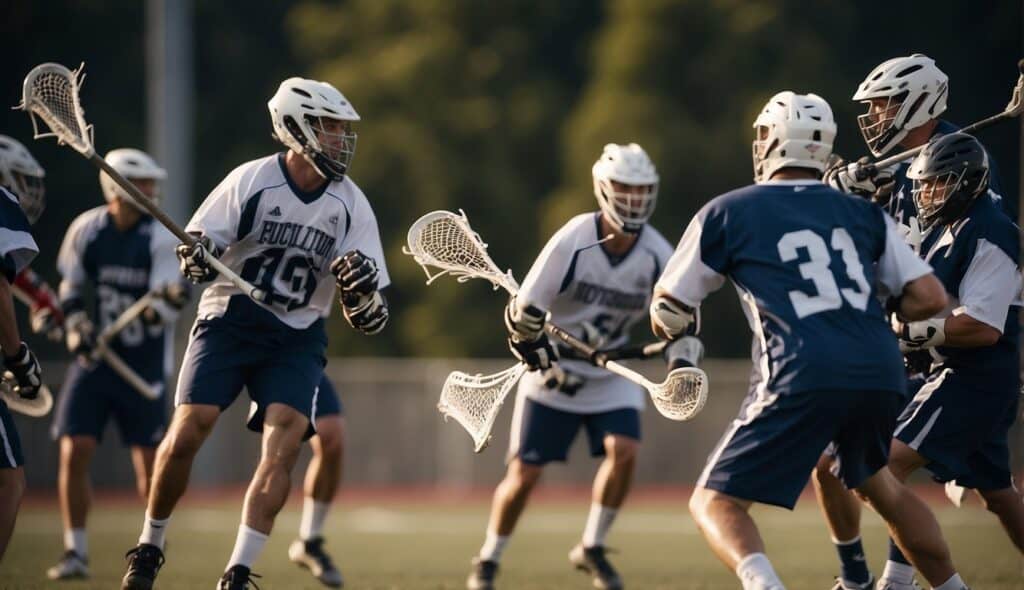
19 172
323 475
120 253
594 277
804 259
957 423
904 97
294 225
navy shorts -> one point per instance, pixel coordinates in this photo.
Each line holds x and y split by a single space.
90 397
541 434
770 449
327 404
283 366
960 423
10 454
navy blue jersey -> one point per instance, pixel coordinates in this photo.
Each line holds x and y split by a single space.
978 261
806 260
121 266
17 248
901 206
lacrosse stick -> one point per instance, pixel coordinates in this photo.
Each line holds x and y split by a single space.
446 242
35 408
103 352
50 94
475 400
1013 110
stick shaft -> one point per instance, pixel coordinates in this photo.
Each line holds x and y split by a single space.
127 317
978 125
142 201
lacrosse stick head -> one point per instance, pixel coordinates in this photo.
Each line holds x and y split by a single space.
36 408
445 242
475 400
1016 105
682 394
50 95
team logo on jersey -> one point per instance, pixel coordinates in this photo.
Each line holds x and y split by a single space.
592 294
295 235
275 212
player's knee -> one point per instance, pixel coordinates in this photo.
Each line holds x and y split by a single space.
183 441
621 450
698 503
1000 501
524 476
329 438
76 451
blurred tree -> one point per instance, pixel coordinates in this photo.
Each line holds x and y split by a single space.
461 104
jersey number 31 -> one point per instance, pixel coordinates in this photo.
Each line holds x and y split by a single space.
817 270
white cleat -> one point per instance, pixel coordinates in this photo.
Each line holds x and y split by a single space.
311 555
842 584
955 493
71 566
885 584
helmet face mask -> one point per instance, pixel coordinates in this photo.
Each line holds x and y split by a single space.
948 177
314 120
21 174
626 186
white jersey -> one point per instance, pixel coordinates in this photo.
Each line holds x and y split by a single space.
283 240
575 279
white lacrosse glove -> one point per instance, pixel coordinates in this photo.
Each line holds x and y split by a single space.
673 319
687 351
194 260
861 178
28 376
79 333
524 324
593 336
915 336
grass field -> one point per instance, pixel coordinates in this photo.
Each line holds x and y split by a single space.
417 546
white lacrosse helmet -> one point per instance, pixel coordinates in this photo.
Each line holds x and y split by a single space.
297 111
627 210
915 91
133 164
21 174
793 130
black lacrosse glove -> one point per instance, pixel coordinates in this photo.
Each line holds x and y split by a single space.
79 333
28 376
194 260
918 362
369 315
357 277
536 354
173 296
562 380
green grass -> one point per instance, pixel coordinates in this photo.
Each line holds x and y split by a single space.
428 546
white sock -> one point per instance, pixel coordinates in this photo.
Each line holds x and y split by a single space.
900 573
153 531
76 540
494 546
599 521
248 546
954 583
756 573
314 513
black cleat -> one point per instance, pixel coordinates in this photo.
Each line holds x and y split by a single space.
593 561
238 577
144 561
311 555
483 574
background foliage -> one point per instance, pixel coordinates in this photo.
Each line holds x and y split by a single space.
500 108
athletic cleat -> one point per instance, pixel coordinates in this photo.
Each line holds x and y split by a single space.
71 566
842 584
483 574
311 555
884 584
593 561
144 561
238 577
